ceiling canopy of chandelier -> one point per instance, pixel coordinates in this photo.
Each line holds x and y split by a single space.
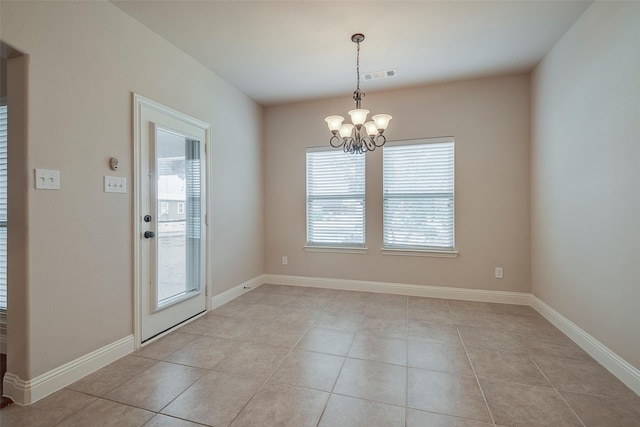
352 138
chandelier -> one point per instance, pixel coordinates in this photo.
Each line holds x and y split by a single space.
353 139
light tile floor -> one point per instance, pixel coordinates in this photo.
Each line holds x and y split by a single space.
294 356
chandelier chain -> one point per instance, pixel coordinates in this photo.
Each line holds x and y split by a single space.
358 94
358 66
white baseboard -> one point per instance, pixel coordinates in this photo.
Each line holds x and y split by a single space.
504 297
236 291
619 367
28 392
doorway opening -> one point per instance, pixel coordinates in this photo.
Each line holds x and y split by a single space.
13 95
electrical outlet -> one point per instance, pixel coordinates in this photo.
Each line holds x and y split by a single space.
47 179
285 260
499 273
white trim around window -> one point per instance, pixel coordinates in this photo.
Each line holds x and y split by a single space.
337 249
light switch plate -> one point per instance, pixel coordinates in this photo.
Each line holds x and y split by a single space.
47 179
115 184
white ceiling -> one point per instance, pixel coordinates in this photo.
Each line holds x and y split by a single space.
284 51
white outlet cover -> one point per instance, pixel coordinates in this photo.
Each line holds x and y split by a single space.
47 179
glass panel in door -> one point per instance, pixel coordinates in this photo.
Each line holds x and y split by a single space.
179 208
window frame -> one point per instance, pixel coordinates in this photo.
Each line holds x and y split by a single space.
351 247
4 221
180 208
413 250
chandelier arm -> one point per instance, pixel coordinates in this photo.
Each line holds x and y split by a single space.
348 145
337 141
369 144
380 140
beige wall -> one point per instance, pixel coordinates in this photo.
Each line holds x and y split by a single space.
85 60
489 119
586 176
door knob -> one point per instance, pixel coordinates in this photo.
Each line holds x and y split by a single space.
149 234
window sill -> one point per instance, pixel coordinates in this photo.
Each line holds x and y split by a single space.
420 252
337 249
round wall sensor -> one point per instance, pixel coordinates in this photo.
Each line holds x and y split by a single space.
115 163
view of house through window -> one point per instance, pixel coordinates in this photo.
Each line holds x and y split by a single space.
335 198
418 193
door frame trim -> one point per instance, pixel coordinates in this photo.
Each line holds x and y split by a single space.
140 102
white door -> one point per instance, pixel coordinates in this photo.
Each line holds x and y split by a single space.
171 228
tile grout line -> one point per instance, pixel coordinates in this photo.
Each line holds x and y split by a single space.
96 398
193 367
493 421
406 381
85 406
557 392
312 324
174 417
113 388
275 369
210 370
338 376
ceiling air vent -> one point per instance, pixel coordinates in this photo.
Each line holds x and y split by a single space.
379 75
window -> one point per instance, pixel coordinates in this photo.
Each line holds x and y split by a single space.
418 195
3 208
164 208
335 199
180 208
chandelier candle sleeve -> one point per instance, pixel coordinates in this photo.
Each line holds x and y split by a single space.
381 121
371 128
358 116
346 129
353 139
334 123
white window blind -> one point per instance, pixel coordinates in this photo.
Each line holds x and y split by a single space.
335 199
3 207
419 195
